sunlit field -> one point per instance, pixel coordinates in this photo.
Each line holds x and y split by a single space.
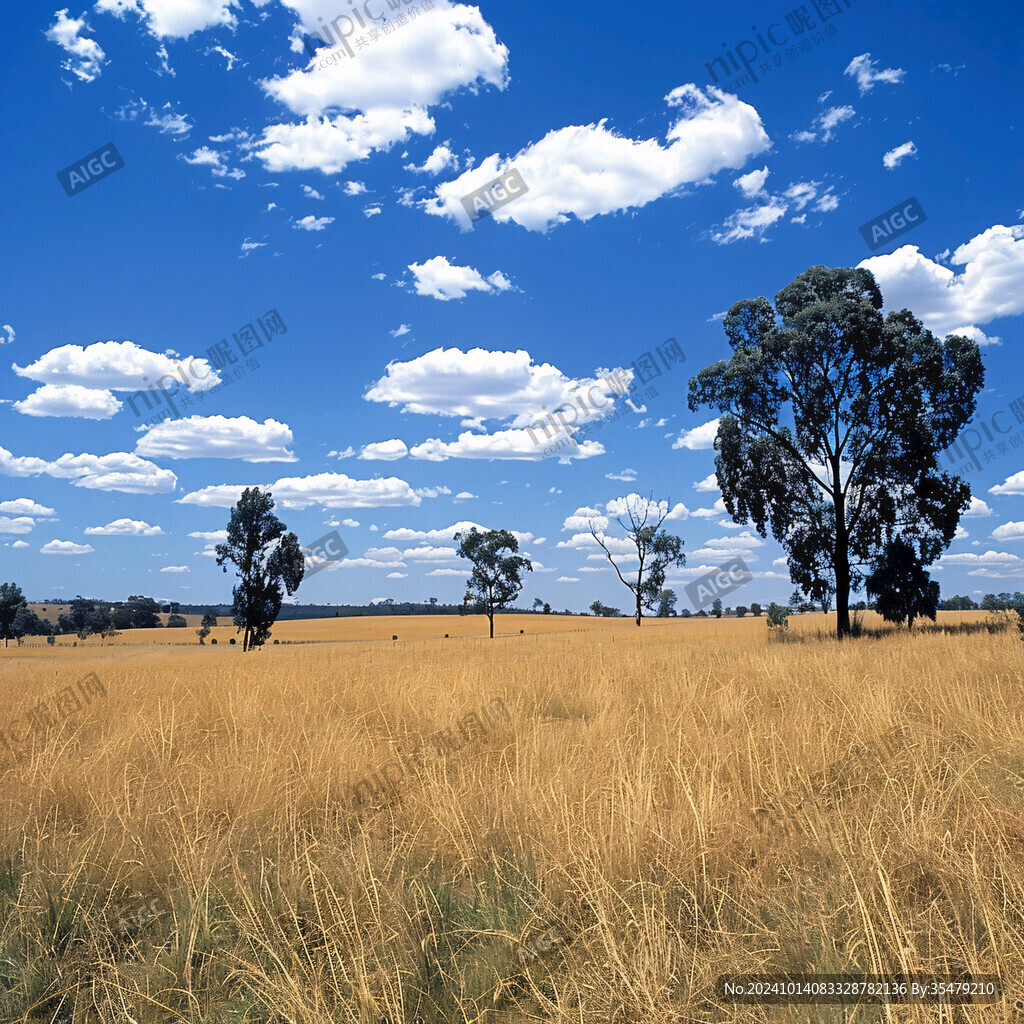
580 822
426 627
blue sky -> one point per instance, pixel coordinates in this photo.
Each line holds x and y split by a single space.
312 205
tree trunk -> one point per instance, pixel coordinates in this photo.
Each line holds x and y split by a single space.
842 558
842 599
490 620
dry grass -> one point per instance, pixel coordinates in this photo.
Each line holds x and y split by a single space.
603 855
425 627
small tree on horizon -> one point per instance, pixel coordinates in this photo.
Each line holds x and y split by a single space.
666 604
266 559
656 550
716 607
777 617
209 621
497 578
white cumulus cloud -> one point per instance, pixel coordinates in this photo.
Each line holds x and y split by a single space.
119 471
25 507
312 223
17 525
327 490
119 366
175 19
1009 531
66 547
70 400
124 528
385 95
385 451
440 279
217 437
991 284
699 437
1011 485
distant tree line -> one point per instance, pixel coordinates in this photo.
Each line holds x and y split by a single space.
430 606
989 603
85 617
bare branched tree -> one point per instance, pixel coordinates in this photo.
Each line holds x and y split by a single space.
655 549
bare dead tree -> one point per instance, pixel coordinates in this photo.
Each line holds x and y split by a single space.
656 550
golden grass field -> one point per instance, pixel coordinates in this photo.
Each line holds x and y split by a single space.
661 806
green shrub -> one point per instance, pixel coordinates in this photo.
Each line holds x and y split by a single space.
777 617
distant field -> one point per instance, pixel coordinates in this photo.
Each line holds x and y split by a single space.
425 627
304 835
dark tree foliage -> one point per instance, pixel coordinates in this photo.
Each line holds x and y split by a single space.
11 602
777 617
268 562
497 578
903 589
86 616
666 604
832 418
137 612
208 623
27 623
956 603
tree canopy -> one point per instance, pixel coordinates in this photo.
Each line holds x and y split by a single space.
497 578
832 418
268 560
902 587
